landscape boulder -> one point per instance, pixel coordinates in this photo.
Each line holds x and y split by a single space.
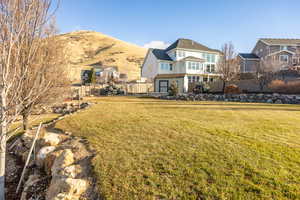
42 154
50 139
65 159
278 101
49 160
66 188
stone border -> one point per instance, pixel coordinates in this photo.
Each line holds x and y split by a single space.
61 156
250 98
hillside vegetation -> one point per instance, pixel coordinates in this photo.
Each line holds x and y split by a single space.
154 149
84 48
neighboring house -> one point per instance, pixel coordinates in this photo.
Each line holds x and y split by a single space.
185 61
105 73
285 53
102 73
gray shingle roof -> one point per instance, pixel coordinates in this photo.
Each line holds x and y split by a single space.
161 54
281 41
190 44
248 55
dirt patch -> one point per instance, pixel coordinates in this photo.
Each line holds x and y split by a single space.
13 172
14 167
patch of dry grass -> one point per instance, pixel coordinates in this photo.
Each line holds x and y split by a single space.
154 149
34 120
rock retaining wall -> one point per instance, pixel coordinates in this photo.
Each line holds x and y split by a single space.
61 162
251 98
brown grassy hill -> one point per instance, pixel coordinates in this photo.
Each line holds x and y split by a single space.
84 48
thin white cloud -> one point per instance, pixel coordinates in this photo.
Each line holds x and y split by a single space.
156 44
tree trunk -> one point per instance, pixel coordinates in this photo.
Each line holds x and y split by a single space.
25 121
3 131
223 88
2 159
261 87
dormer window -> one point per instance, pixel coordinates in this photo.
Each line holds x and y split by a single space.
282 48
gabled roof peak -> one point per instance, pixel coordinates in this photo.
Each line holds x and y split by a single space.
183 43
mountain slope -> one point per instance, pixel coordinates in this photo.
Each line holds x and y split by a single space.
85 48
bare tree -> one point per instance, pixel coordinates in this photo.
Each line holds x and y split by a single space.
265 71
228 66
47 66
23 25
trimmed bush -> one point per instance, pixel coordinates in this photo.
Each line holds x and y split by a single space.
201 88
232 89
173 89
279 86
111 90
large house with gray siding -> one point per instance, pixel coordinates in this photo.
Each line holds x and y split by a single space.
284 52
183 62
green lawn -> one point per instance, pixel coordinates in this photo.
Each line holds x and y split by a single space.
157 149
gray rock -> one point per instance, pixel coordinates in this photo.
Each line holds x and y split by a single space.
278 101
269 101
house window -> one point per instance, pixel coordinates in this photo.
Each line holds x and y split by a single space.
163 85
295 60
194 79
205 79
283 48
211 80
208 68
189 65
212 68
193 65
284 58
181 53
166 66
208 57
213 58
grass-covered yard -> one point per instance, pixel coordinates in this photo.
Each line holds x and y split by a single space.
155 149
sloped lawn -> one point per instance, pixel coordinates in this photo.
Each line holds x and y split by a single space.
155 149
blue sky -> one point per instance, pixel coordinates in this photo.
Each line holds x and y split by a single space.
210 22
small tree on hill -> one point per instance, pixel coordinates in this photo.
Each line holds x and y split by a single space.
92 76
228 66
